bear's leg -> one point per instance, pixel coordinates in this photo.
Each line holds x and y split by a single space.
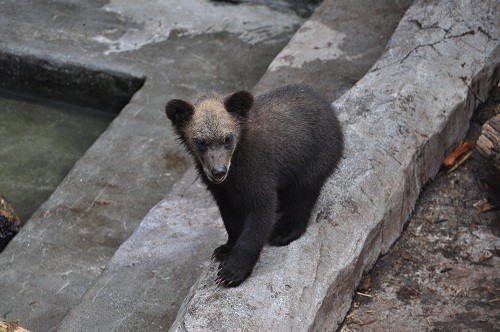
296 207
233 225
239 263
221 252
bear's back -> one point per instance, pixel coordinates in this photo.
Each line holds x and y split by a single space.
291 127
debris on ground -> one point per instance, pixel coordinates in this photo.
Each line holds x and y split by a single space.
454 157
488 143
483 205
9 222
11 326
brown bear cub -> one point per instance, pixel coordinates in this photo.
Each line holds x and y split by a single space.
264 161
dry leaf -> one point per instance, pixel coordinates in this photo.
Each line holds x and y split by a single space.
366 283
451 159
483 205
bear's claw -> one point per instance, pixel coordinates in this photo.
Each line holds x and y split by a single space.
232 274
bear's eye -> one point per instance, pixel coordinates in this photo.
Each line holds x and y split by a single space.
228 141
201 145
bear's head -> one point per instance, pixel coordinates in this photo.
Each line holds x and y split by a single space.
211 129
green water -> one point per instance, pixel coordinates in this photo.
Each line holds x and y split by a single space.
39 143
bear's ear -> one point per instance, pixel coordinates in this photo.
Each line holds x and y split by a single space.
239 102
179 112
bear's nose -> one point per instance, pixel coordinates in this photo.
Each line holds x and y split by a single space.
219 172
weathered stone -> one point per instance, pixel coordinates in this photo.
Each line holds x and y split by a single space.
442 273
399 120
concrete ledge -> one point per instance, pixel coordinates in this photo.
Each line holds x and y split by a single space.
105 90
400 120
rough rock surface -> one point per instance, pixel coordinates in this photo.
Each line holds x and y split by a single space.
400 120
442 274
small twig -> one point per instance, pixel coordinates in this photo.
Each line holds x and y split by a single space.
366 323
490 291
460 276
413 233
408 259
452 158
364 294
460 161
415 291
494 300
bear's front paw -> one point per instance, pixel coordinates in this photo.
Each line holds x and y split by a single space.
233 271
222 252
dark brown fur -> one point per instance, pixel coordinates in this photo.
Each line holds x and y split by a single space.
284 146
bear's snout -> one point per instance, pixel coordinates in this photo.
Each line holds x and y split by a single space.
218 173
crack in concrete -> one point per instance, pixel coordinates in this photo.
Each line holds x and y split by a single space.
433 26
469 32
486 33
367 196
474 93
390 155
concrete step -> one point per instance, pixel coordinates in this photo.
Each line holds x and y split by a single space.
400 120
145 282
180 48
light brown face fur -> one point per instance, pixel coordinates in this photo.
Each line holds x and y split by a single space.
211 135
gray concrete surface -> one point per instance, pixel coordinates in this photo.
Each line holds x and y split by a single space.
181 226
336 48
151 273
400 120
180 48
442 274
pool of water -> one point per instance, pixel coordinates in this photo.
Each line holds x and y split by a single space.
40 141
